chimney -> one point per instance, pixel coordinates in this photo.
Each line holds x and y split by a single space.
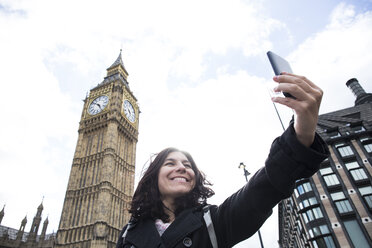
360 95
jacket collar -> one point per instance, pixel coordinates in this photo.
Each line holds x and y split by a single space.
186 222
144 233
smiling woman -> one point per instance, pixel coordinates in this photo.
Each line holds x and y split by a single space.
171 184
169 207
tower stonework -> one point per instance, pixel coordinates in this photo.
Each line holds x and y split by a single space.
101 180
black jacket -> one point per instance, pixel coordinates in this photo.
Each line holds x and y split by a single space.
243 213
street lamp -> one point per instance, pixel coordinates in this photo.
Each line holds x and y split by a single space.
246 174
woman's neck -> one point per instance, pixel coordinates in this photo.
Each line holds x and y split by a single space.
169 209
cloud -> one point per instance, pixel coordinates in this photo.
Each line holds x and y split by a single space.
336 54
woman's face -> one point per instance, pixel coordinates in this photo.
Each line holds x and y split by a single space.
176 177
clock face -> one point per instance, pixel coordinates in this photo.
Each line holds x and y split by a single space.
129 111
98 105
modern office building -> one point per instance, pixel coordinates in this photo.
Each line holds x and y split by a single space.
334 207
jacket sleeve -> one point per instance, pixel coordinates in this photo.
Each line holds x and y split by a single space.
243 213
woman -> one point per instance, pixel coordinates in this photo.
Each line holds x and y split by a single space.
167 207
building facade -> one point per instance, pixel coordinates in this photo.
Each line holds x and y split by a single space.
13 238
101 180
334 207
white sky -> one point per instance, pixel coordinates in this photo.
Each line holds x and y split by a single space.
198 69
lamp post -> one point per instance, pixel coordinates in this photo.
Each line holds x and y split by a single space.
246 174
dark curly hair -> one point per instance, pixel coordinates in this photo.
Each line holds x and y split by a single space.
146 202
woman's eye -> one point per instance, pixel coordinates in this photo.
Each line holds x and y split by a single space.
187 165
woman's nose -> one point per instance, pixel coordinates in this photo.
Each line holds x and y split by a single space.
180 166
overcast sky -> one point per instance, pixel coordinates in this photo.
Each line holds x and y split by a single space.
199 71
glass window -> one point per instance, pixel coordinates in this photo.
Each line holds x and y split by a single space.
316 231
365 190
305 187
296 193
366 193
368 147
355 233
329 242
311 233
368 200
325 171
305 217
344 150
358 129
331 180
367 143
324 229
324 242
305 203
300 190
352 165
334 134
310 215
308 202
343 205
315 244
338 196
317 213
358 174
313 201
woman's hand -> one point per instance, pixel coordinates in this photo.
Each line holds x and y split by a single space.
306 104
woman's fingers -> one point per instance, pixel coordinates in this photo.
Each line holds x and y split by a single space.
306 103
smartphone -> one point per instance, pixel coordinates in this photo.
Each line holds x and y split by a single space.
279 65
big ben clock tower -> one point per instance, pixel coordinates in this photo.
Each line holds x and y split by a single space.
101 180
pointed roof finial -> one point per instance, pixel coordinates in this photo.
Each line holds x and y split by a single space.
24 221
118 67
118 61
41 204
